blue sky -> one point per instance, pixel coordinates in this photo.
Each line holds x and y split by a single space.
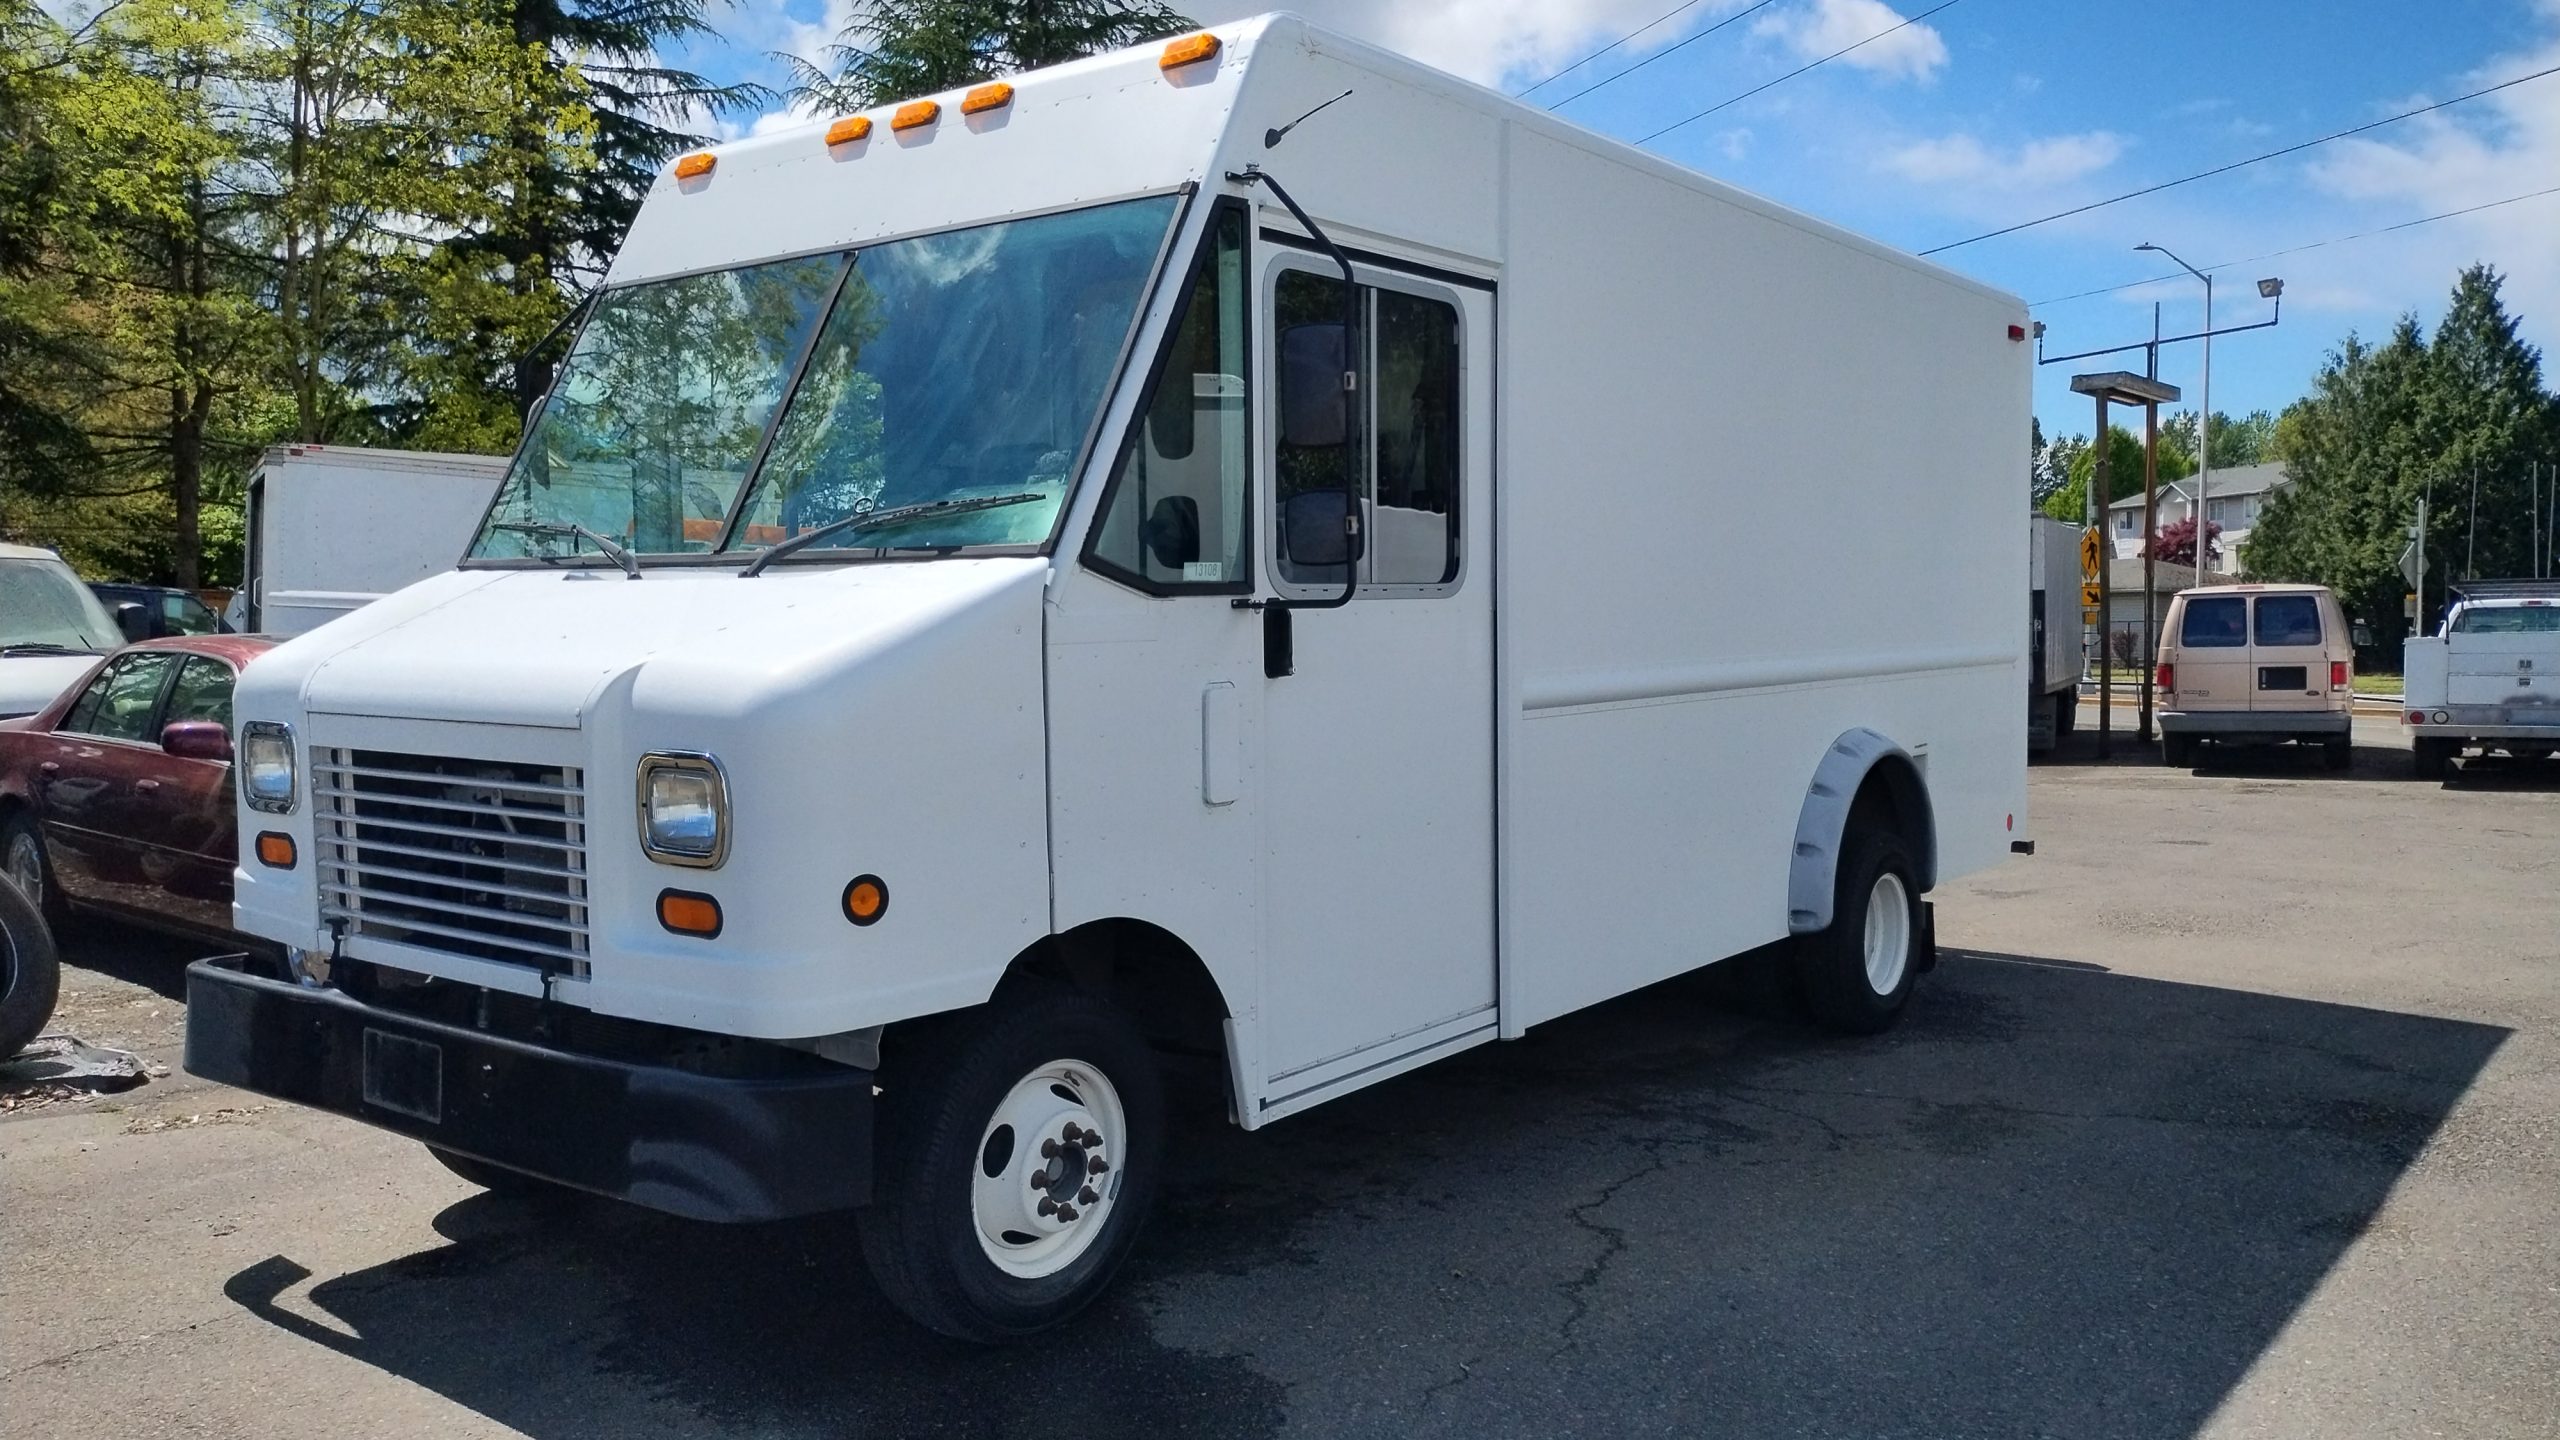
1995 111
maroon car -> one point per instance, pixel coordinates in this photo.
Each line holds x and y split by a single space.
117 797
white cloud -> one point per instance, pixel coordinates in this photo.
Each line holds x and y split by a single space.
1965 162
1489 41
1819 27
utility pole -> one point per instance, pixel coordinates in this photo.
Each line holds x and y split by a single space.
2471 556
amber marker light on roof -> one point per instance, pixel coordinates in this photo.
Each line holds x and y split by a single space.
849 129
697 163
1188 49
987 97
915 113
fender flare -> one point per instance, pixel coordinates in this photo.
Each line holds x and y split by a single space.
1824 821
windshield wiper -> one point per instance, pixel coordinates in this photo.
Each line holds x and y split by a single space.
874 519
611 550
45 647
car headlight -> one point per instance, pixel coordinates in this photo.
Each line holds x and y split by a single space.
684 809
266 766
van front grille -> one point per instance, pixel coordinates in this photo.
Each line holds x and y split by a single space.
485 858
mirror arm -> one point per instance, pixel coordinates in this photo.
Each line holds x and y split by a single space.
1254 174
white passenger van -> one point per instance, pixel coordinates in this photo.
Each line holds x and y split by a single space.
986 605
2256 665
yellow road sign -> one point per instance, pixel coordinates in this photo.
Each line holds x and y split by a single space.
2089 615
2093 552
2089 597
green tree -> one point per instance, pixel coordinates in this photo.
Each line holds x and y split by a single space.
2070 500
2245 441
899 49
42 447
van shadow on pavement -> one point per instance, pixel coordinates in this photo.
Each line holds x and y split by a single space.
2055 1201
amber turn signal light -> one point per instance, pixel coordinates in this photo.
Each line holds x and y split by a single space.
866 899
275 850
849 129
697 163
1186 50
987 97
689 912
915 113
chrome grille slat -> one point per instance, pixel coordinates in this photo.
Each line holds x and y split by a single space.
480 858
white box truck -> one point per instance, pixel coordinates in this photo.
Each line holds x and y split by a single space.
2489 679
1052 621
334 527
2056 639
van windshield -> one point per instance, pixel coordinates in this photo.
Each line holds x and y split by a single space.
44 607
966 365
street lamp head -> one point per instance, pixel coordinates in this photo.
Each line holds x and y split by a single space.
2270 288
2146 245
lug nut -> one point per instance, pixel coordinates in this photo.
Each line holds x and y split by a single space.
1040 1180
1067 1213
1093 1137
1049 1148
1049 1206
1088 1196
1097 1166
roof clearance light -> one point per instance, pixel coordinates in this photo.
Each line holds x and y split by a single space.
697 163
987 97
849 129
915 113
1187 50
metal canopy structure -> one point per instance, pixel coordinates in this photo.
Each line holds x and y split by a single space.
2123 387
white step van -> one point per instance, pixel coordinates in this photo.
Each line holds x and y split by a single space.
332 528
2490 679
986 607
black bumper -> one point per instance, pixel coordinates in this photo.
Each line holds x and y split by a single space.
701 1146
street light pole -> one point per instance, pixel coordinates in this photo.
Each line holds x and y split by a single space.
2204 421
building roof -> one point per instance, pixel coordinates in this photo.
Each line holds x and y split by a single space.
2238 480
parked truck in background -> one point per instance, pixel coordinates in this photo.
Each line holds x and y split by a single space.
1043 578
2055 637
334 527
2489 679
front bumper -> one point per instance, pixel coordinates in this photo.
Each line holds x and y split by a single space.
706 1147
2257 724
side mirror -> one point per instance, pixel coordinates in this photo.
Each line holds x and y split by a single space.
1172 531
196 740
1316 529
1315 411
134 621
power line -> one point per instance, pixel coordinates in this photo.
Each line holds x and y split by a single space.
1790 75
2236 164
2298 249
1605 49
1667 50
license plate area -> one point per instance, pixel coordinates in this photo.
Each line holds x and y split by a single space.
404 1076
2283 677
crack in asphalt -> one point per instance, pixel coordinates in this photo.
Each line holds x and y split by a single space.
1613 1241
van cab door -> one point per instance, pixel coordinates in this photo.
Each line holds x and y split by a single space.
1378 758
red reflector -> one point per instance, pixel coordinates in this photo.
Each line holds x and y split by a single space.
2166 677
2417 717
2337 674
2017 332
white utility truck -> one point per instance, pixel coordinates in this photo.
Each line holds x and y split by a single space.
2055 636
1051 621
2489 679
334 527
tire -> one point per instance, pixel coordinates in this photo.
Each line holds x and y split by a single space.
2432 756
2178 752
969 1253
1857 972
2338 754
30 971
23 860
498 1179
2066 712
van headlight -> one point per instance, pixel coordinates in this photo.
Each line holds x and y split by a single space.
684 809
266 766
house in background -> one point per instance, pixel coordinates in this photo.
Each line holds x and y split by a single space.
2237 496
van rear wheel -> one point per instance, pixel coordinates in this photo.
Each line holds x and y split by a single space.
1017 1161
1857 972
2178 752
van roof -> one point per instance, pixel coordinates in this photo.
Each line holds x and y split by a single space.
25 552
2252 587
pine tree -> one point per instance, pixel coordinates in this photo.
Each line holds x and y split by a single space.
899 49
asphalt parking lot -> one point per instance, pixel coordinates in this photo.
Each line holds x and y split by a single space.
2235 1111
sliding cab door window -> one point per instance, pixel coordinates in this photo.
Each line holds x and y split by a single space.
1177 514
1413 519
1402 434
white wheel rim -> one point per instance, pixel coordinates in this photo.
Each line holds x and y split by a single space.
26 869
1033 1214
1888 933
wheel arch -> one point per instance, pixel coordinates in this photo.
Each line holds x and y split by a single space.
1148 971
1861 773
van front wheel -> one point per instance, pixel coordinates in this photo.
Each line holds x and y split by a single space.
1017 1159
1857 972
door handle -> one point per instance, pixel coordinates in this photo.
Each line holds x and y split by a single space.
49 767
146 784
